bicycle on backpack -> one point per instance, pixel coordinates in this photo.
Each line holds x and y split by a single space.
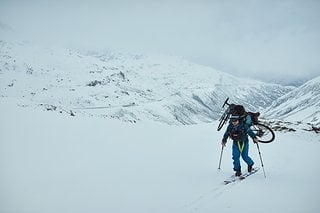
264 133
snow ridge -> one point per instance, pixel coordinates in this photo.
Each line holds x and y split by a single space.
128 87
300 104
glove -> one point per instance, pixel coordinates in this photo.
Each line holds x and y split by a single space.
255 140
223 143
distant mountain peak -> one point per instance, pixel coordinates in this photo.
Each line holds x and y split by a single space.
300 104
126 87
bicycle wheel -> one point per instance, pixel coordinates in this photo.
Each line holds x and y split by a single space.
263 132
223 120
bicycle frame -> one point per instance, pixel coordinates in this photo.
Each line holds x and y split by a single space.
263 132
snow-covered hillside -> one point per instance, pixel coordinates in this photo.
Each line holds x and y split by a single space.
51 163
301 104
123 86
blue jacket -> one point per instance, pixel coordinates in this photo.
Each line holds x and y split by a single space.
241 128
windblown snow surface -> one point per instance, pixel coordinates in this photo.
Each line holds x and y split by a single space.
53 163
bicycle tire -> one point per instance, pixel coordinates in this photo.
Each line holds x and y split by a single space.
263 132
223 120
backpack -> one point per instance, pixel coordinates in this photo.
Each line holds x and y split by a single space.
254 117
241 112
237 110
247 117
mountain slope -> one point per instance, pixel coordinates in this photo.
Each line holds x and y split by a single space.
125 86
301 104
83 164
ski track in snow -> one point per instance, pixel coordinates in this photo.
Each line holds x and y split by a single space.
204 199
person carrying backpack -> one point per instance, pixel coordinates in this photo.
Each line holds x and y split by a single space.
239 110
238 130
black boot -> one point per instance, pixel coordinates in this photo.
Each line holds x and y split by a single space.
238 173
250 168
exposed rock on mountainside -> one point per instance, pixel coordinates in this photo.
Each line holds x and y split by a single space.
125 86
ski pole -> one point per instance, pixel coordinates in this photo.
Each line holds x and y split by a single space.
220 157
261 161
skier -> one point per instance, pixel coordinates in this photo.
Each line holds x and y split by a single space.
238 131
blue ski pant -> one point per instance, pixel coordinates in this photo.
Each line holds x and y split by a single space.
240 149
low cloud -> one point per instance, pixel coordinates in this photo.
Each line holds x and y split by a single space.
270 40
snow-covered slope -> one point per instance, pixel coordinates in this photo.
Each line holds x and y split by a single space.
301 104
79 164
123 86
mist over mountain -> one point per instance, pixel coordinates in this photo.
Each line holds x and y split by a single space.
128 87
264 40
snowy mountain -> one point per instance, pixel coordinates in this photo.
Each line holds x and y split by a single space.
125 86
301 104
82 164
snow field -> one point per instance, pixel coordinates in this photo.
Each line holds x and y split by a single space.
51 162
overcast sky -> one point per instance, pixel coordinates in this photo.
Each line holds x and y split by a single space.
268 39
